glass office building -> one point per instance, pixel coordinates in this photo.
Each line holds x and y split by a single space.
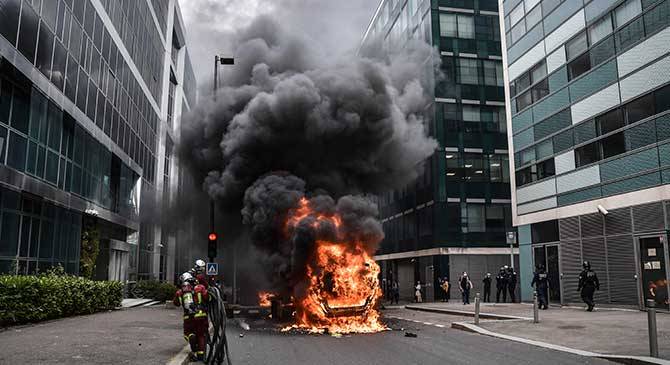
454 218
90 97
588 97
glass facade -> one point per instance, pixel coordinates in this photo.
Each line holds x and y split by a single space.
601 125
468 185
463 198
81 103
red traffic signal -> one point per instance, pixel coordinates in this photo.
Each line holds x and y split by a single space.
212 236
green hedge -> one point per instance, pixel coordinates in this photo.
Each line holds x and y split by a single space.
155 290
37 298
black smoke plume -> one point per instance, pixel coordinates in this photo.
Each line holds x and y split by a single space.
292 122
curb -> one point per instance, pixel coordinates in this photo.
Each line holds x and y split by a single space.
181 358
623 359
464 313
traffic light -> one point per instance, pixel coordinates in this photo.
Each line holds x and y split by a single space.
211 247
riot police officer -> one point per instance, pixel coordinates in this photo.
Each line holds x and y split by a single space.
501 285
588 284
541 285
487 287
511 283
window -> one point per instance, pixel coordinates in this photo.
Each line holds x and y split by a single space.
600 29
466 26
28 34
629 34
627 11
602 51
468 71
540 90
613 145
662 99
475 218
657 18
10 19
538 72
448 26
639 109
524 100
518 31
523 82
495 218
16 156
545 169
587 154
610 121
533 17
493 73
516 14
577 45
526 176
474 167
579 66
453 166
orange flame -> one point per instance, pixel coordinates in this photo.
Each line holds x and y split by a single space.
264 299
342 287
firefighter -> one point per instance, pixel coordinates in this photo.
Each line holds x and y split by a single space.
541 285
199 271
501 285
193 297
588 284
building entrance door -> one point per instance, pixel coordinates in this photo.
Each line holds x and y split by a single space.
653 270
548 256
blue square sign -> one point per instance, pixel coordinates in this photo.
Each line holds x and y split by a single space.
212 268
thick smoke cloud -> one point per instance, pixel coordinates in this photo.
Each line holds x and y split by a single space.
291 122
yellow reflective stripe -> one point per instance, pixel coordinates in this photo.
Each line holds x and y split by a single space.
186 317
200 314
200 352
199 297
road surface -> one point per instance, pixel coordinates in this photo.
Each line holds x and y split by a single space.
433 345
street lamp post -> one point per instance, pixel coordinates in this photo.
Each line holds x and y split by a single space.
221 61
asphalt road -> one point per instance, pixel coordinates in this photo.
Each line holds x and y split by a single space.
433 345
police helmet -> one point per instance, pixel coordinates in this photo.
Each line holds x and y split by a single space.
586 265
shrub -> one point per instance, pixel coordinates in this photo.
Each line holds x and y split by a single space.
155 290
38 298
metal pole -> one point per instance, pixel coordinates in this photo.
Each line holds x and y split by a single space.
651 319
216 74
536 312
477 308
211 200
511 255
234 274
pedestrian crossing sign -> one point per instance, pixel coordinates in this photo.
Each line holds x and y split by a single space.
212 268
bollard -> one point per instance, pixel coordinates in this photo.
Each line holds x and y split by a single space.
536 312
651 320
477 308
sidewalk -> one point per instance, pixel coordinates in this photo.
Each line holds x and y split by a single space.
144 335
606 330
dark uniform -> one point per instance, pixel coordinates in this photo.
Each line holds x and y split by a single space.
541 285
588 284
501 285
487 288
511 284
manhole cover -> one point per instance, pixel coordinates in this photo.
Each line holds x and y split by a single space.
571 327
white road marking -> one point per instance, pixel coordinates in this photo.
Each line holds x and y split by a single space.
417 321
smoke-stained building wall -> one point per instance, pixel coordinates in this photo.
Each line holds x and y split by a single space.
588 86
91 97
454 218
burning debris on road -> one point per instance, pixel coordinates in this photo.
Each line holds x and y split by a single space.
296 141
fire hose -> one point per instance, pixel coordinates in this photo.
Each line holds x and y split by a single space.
217 343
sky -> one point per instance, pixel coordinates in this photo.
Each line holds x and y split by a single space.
210 25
